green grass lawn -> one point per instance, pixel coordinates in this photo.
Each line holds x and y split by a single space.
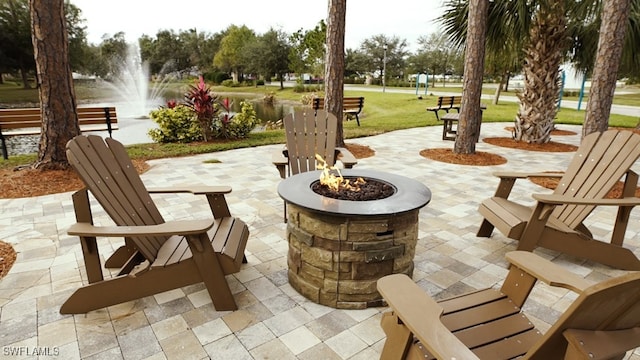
382 112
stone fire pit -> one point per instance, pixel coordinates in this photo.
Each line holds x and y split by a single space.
338 249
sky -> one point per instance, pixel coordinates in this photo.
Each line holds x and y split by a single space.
406 19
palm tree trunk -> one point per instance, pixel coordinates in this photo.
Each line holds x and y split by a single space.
543 56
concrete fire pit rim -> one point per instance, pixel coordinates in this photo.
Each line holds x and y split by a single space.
410 194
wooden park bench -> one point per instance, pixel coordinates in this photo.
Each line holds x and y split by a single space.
446 103
21 122
351 106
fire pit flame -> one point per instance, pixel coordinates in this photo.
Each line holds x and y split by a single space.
332 178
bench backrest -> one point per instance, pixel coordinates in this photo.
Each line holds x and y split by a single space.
348 103
448 102
31 117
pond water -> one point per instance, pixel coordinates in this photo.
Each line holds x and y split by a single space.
264 111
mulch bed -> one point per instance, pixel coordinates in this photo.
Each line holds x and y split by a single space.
556 132
7 258
551 146
447 155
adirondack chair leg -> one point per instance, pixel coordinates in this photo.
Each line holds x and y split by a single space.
622 218
121 256
399 337
535 226
136 259
211 272
218 205
486 228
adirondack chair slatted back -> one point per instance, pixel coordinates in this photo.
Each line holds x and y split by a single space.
612 304
309 134
600 162
109 174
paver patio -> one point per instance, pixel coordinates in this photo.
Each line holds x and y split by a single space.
273 320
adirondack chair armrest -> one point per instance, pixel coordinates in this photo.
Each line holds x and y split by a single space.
508 179
591 344
546 271
279 159
346 157
182 227
554 199
421 315
523 175
196 190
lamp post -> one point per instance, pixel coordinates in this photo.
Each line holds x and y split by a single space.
384 67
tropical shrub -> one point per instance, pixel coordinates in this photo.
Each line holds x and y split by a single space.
234 126
175 124
230 83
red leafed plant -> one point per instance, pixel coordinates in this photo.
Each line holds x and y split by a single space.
226 117
172 103
200 99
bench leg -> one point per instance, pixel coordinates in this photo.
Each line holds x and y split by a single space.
357 119
5 153
444 130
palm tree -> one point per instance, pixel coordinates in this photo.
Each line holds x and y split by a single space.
504 38
557 30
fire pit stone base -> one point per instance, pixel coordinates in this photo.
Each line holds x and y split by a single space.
336 260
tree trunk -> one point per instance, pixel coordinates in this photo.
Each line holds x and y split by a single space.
543 55
506 82
470 114
334 68
503 80
25 78
55 83
615 14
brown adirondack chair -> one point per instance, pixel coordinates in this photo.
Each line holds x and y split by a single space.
157 255
602 323
308 133
557 220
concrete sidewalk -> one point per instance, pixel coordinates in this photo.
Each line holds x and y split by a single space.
273 320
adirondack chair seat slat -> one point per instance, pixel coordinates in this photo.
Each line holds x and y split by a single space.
458 303
226 239
487 333
479 314
508 217
229 244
